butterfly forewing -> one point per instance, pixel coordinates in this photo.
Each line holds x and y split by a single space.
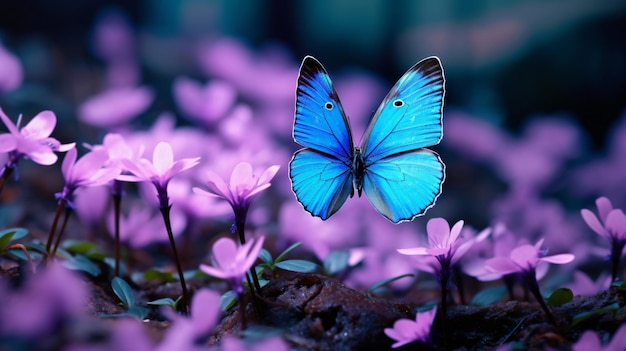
410 116
320 122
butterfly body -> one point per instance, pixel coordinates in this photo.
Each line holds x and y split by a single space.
400 177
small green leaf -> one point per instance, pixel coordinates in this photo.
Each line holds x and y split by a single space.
123 291
81 263
585 315
78 246
166 301
228 300
11 234
287 250
336 261
619 285
300 266
560 297
385 282
266 257
488 295
138 312
155 274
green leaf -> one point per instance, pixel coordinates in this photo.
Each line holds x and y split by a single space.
560 297
34 255
336 261
385 282
266 257
287 250
488 295
155 274
166 301
585 315
619 285
228 300
300 266
78 246
11 234
81 263
123 291
138 312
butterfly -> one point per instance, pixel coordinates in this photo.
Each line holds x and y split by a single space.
400 177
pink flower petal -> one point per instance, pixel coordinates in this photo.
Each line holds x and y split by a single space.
242 175
43 156
455 231
224 252
525 256
9 124
214 272
616 224
217 185
501 265
438 232
68 163
604 207
593 222
414 251
162 158
7 142
87 165
558 259
269 174
41 126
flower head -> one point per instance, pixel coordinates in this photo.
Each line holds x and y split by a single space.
405 331
160 171
90 170
231 262
524 259
33 140
243 187
612 222
590 341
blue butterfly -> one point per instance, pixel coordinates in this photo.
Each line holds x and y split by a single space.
400 177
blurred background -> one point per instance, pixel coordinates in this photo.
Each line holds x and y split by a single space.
504 60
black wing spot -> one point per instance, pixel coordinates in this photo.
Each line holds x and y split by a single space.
329 105
398 103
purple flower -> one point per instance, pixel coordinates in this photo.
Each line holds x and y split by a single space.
524 259
10 71
231 262
244 186
33 140
160 171
405 331
611 225
204 103
90 170
584 286
115 106
590 341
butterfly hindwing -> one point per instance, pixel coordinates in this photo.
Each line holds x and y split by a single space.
410 116
321 183
404 186
320 122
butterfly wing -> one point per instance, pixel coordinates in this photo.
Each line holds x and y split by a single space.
321 183
410 116
320 174
403 186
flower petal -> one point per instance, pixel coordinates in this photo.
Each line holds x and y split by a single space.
162 158
593 222
414 251
268 175
7 142
558 259
616 224
438 231
224 252
214 272
9 124
68 163
41 126
502 265
242 175
455 231
604 207
525 256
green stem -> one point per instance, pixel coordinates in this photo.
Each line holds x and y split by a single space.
68 210
117 199
53 229
5 175
165 211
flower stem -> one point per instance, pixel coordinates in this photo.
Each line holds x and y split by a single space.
240 225
5 175
165 211
117 199
68 210
53 229
533 286
617 246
